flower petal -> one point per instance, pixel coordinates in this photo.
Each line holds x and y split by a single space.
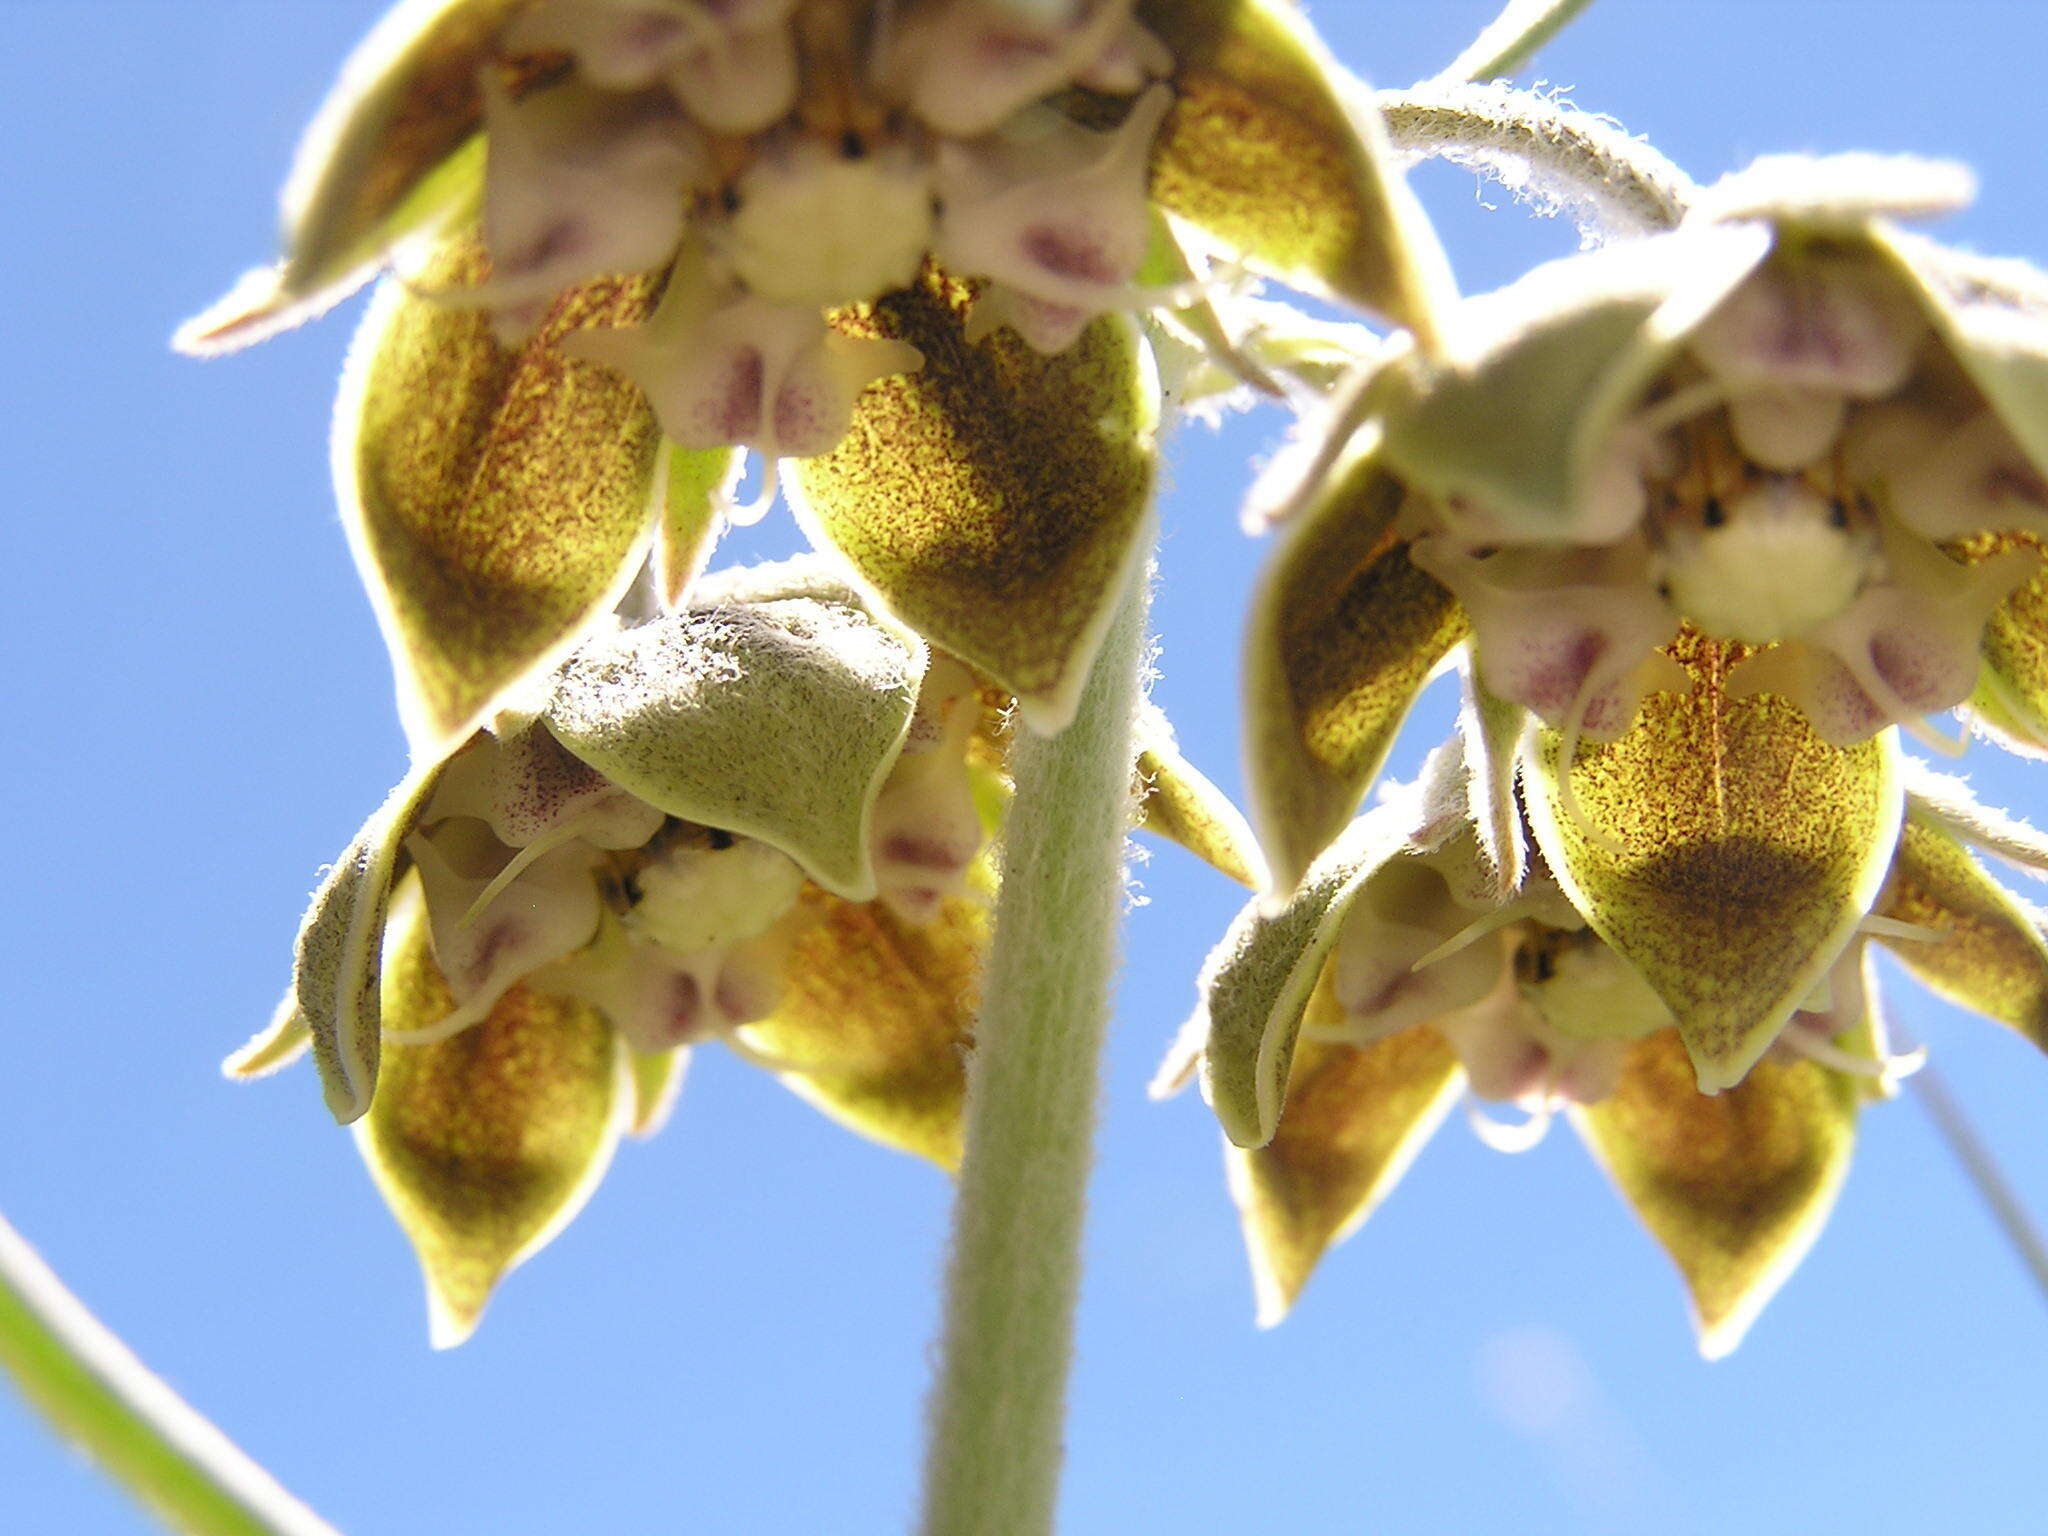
394 153
339 959
696 487
1724 849
1356 1117
1734 1187
484 1145
876 1018
778 720
657 1079
2011 701
1344 631
1529 427
1274 150
996 500
1255 986
1177 801
1491 729
283 1041
1990 956
497 500
1994 316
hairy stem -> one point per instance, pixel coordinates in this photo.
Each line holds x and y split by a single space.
999 1401
1512 39
1546 150
141 1433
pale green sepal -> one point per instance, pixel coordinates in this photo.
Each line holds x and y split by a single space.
1993 313
1735 1187
1177 801
808 575
1984 949
996 500
1947 803
695 484
486 1144
777 720
1255 986
877 1016
339 956
1356 1118
1542 375
657 1082
1274 151
280 1043
1724 850
1837 194
394 154
498 501
1492 730
1344 631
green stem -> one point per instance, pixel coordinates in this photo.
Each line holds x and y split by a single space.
1548 151
1512 39
999 1401
99 1396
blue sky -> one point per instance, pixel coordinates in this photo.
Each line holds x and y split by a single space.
733 1337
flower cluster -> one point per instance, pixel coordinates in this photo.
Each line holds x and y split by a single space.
762 821
1706 516
1414 961
895 244
1788 428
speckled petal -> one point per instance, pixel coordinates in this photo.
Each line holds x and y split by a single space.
1273 150
394 153
994 501
696 487
487 1144
1736 1187
1177 801
2011 701
657 1081
1991 956
498 501
1356 1116
1725 850
876 1017
1344 631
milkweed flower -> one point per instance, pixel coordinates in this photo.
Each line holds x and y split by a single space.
897 245
1799 443
761 822
1334 1032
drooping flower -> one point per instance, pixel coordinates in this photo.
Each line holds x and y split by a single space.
1335 1032
763 821
1790 438
635 237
